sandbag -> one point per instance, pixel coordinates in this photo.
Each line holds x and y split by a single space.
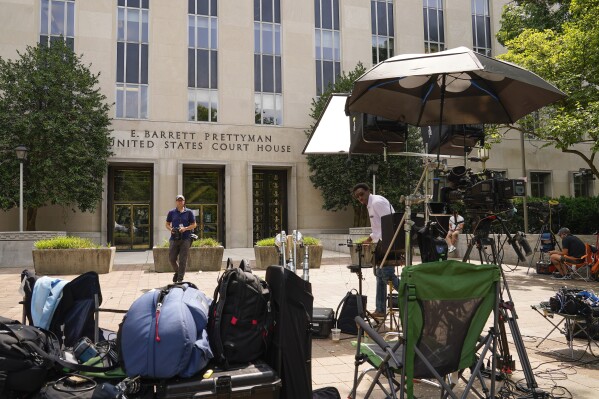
164 333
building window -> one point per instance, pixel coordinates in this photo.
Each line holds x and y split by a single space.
481 27
381 18
57 22
267 62
202 61
583 183
539 184
327 43
132 59
434 26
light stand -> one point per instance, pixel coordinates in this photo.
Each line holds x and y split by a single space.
21 156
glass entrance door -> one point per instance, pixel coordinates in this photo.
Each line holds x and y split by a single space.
129 214
204 195
269 193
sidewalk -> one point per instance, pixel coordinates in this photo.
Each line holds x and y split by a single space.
558 370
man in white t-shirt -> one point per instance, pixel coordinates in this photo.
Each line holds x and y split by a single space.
456 225
378 206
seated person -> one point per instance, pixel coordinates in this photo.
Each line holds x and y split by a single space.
573 249
456 225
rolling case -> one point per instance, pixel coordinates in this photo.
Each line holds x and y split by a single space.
256 380
323 319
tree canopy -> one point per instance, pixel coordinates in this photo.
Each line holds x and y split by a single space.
559 40
335 175
50 103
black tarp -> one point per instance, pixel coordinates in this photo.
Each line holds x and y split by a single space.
291 351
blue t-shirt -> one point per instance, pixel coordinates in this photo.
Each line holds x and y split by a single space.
185 218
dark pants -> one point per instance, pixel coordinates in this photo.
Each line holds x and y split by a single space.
179 248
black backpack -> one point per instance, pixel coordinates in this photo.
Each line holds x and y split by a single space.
25 357
349 310
29 356
241 319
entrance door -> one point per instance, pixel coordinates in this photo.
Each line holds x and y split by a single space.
203 193
130 224
269 192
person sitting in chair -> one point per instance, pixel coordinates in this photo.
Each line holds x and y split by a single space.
378 206
456 224
573 249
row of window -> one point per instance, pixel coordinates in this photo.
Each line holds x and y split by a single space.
58 21
540 183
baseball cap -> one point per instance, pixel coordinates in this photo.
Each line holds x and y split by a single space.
180 197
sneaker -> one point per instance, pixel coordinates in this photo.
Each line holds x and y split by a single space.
560 277
175 277
180 279
378 315
450 249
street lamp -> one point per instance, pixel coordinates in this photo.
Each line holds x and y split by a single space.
21 156
373 168
483 155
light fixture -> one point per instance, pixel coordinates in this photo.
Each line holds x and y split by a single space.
21 151
483 155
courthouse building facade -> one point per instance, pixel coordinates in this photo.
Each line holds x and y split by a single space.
212 99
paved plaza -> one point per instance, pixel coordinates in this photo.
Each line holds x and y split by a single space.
560 370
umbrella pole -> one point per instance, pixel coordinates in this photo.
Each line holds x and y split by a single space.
436 174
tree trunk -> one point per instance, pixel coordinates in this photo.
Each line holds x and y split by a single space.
361 218
31 217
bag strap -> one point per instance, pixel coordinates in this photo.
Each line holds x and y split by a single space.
341 303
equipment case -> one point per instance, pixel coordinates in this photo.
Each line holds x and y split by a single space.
256 380
323 319
545 267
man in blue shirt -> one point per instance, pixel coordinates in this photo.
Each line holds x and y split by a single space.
180 221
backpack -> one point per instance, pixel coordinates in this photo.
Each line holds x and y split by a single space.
432 245
349 310
25 356
163 334
241 318
29 356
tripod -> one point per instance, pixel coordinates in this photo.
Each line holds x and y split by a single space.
506 312
540 245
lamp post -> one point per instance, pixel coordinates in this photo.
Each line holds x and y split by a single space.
373 168
483 155
21 156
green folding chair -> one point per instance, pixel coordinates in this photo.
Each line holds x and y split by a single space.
444 308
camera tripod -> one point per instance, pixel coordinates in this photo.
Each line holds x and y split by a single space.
506 310
545 228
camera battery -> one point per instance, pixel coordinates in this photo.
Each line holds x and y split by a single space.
84 350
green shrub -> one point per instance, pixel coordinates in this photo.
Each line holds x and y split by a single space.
311 241
360 240
65 242
266 242
164 244
206 242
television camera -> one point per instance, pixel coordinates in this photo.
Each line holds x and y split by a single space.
482 192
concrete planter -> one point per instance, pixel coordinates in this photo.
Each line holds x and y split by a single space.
206 259
314 256
266 256
73 261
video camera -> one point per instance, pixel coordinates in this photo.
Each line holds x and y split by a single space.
481 192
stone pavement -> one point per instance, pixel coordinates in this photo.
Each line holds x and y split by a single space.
558 369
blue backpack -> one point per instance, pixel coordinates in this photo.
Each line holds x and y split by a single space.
164 333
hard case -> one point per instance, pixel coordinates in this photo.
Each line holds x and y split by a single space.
323 319
545 267
257 380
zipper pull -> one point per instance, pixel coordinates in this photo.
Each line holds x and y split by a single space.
158 306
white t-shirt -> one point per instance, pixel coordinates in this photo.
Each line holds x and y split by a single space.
453 225
378 206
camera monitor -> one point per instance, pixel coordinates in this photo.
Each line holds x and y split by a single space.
453 139
370 133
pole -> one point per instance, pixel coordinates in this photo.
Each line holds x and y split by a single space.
524 202
374 183
21 196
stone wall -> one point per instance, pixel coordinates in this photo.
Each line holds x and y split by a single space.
16 247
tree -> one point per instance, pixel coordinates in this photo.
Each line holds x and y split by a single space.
49 102
565 51
335 175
